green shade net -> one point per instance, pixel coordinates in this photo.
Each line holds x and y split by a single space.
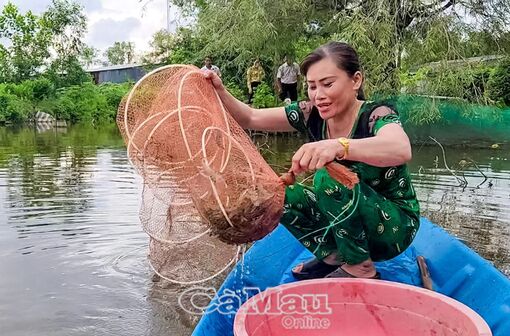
452 121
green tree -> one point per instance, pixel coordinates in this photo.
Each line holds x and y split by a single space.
161 45
120 53
28 44
65 72
89 56
499 83
389 34
52 40
67 25
188 48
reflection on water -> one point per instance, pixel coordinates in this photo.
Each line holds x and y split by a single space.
73 256
474 203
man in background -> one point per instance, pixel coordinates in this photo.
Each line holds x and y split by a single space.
288 79
209 66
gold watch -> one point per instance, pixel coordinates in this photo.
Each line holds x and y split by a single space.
345 143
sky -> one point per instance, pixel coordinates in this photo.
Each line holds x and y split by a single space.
113 20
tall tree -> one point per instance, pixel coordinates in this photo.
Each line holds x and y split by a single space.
389 34
52 40
120 53
27 47
89 56
67 25
161 46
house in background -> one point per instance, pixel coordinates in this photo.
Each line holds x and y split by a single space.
117 73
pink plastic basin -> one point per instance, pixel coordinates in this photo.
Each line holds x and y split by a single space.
355 307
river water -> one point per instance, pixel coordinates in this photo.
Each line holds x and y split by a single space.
73 257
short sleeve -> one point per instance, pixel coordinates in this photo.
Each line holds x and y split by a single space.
383 116
297 69
296 117
279 73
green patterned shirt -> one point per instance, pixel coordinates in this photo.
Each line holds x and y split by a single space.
393 183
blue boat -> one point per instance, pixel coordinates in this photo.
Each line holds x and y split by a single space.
456 270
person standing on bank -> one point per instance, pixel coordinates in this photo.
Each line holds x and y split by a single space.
254 77
209 66
346 230
288 76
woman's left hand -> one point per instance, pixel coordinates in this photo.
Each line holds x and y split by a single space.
315 155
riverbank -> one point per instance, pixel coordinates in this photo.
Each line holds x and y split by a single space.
84 103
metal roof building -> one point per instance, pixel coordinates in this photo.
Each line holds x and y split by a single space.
117 73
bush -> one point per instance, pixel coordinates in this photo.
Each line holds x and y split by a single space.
67 72
75 103
499 83
79 103
476 89
264 97
49 106
113 94
42 88
235 91
14 109
22 90
33 89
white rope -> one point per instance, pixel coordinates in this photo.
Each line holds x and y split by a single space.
207 136
128 100
211 179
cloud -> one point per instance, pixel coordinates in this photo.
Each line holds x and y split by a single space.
91 5
40 6
36 7
105 32
114 20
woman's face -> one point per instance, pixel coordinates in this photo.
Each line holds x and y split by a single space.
331 89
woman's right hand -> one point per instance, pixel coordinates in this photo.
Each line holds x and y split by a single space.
215 79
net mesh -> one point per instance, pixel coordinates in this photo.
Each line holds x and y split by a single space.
206 187
450 119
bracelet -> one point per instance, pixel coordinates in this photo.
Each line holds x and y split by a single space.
345 143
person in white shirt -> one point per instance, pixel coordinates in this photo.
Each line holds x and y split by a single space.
288 79
209 66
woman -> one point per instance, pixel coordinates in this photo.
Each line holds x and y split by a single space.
346 230
254 77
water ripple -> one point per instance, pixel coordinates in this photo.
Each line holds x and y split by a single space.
74 257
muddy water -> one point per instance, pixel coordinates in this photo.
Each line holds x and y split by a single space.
73 256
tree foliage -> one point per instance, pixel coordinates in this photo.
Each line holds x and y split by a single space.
499 83
27 47
162 45
390 35
35 44
89 56
67 25
120 53
41 67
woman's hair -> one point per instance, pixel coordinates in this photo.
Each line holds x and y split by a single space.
344 56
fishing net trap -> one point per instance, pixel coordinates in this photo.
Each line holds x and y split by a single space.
206 188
